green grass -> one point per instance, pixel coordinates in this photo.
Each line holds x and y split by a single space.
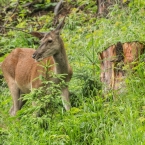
93 120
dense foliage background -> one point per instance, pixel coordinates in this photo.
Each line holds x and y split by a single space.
93 120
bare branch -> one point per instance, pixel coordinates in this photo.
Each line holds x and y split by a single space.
18 29
57 8
56 12
3 27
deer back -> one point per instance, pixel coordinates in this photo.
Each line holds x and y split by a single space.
21 67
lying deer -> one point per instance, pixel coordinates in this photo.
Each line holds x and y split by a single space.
22 66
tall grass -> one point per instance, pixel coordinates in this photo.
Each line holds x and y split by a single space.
93 120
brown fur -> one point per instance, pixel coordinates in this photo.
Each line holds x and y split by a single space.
14 69
20 69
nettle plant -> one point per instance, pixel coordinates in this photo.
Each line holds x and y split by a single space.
92 85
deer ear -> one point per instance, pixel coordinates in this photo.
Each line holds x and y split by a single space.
39 35
57 32
60 25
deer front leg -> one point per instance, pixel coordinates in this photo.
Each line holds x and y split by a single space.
65 98
15 92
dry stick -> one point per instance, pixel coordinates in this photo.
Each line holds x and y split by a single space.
56 12
12 12
57 7
18 29
10 15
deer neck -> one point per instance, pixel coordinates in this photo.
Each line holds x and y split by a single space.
61 61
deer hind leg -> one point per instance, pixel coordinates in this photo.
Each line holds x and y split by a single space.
21 101
65 99
15 92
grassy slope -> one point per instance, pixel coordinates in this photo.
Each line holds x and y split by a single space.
94 120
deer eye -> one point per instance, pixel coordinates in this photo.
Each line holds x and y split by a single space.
50 41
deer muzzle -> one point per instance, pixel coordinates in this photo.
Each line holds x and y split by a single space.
37 56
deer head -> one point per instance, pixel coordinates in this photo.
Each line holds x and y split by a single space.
50 43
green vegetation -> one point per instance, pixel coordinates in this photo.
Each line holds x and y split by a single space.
93 120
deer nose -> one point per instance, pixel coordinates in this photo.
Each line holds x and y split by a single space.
33 56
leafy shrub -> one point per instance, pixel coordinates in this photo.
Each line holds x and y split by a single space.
92 119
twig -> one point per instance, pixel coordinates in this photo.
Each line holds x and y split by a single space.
56 12
57 7
12 13
18 29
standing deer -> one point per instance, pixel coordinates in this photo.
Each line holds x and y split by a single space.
22 66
